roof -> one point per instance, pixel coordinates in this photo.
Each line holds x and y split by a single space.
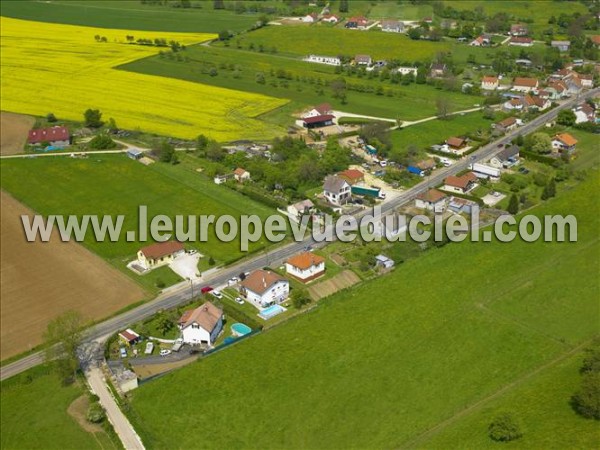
487 79
206 315
461 182
261 280
438 66
528 82
323 108
334 184
352 174
239 172
455 141
303 204
129 335
560 43
426 164
305 260
513 150
566 139
518 26
595 39
161 249
431 196
390 23
521 40
507 122
48 135
317 119
362 58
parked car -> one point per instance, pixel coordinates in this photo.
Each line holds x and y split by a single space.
193 252
217 294
165 352
206 289
524 170
383 163
123 352
239 300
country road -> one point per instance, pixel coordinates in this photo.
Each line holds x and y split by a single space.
181 293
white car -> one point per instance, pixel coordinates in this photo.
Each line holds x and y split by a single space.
383 163
217 294
239 300
165 352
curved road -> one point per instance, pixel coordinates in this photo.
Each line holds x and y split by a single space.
181 293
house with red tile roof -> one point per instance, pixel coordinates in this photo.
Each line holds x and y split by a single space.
489 83
460 185
58 136
159 254
305 266
564 142
201 326
352 176
432 200
521 41
264 288
523 84
241 174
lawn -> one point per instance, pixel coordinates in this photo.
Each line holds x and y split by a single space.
34 414
541 406
394 357
324 40
80 69
129 14
306 84
426 134
114 184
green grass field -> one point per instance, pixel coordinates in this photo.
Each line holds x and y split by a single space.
34 414
114 184
237 69
394 357
128 15
322 40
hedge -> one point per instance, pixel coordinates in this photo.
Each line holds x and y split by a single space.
240 316
537 157
269 201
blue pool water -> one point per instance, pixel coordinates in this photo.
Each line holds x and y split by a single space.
271 311
239 329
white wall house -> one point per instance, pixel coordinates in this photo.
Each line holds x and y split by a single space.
305 266
320 59
337 190
264 288
460 185
159 254
525 84
432 200
406 70
202 325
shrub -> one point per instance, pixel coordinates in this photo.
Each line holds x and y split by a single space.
586 400
95 413
102 142
504 428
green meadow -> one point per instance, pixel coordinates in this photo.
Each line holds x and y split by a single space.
395 357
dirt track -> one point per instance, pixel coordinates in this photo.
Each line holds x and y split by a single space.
39 281
14 131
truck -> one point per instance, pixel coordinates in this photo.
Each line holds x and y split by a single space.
370 149
485 170
416 171
366 191
149 348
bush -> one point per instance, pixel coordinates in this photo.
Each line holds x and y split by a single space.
504 428
160 283
102 142
95 413
586 400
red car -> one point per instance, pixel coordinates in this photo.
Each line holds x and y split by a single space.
206 289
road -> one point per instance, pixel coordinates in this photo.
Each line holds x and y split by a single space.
181 293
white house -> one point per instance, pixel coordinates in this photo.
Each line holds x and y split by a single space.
520 41
432 200
159 254
564 142
392 26
406 70
297 210
489 83
337 190
241 174
305 266
264 288
460 185
481 41
320 59
522 84
505 158
330 18
324 109
384 262
363 60
201 325
310 18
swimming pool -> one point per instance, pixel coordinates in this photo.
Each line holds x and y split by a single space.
239 329
271 311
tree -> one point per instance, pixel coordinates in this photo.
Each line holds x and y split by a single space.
300 298
211 261
442 105
343 8
513 205
224 35
338 87
549 190
504 428
93 118
414 33
51 118
540 143
214 151
95 413
102 142
586 400
62 337
201 143
166 152
164 324
566 117
112 126
218 4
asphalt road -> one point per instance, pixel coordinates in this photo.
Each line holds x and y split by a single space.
182 293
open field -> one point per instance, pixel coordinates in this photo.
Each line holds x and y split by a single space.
34 414
126 184
325 288
42 280
128 14
396 356
308 84
80 70
323 40
541 406
14 129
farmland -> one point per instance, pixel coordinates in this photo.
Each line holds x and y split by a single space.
48 279
437 337
128 15
305 83
323 40
80 71
14 130
34 414
126 184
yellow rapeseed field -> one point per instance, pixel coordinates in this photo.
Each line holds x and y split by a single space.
63 69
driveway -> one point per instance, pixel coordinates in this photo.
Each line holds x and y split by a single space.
186 266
